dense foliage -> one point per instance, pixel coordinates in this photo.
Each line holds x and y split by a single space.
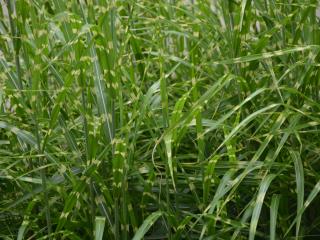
154 119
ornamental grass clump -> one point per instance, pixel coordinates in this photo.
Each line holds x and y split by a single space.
156 119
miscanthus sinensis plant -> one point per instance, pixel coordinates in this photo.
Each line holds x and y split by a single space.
140 119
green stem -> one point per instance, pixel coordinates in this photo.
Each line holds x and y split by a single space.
16 41
43 176
116 219
88 155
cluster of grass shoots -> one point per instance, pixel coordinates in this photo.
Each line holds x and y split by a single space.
159 119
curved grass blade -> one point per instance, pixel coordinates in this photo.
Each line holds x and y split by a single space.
300 186
273 215
315 191
264 185
148 222
266 55
99 227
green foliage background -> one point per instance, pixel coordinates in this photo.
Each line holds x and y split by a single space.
170 119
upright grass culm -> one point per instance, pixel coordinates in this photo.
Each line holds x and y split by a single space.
137 119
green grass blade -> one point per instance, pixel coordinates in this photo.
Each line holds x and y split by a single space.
264 185
147 223
273 215
266 55
300 186
99 227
